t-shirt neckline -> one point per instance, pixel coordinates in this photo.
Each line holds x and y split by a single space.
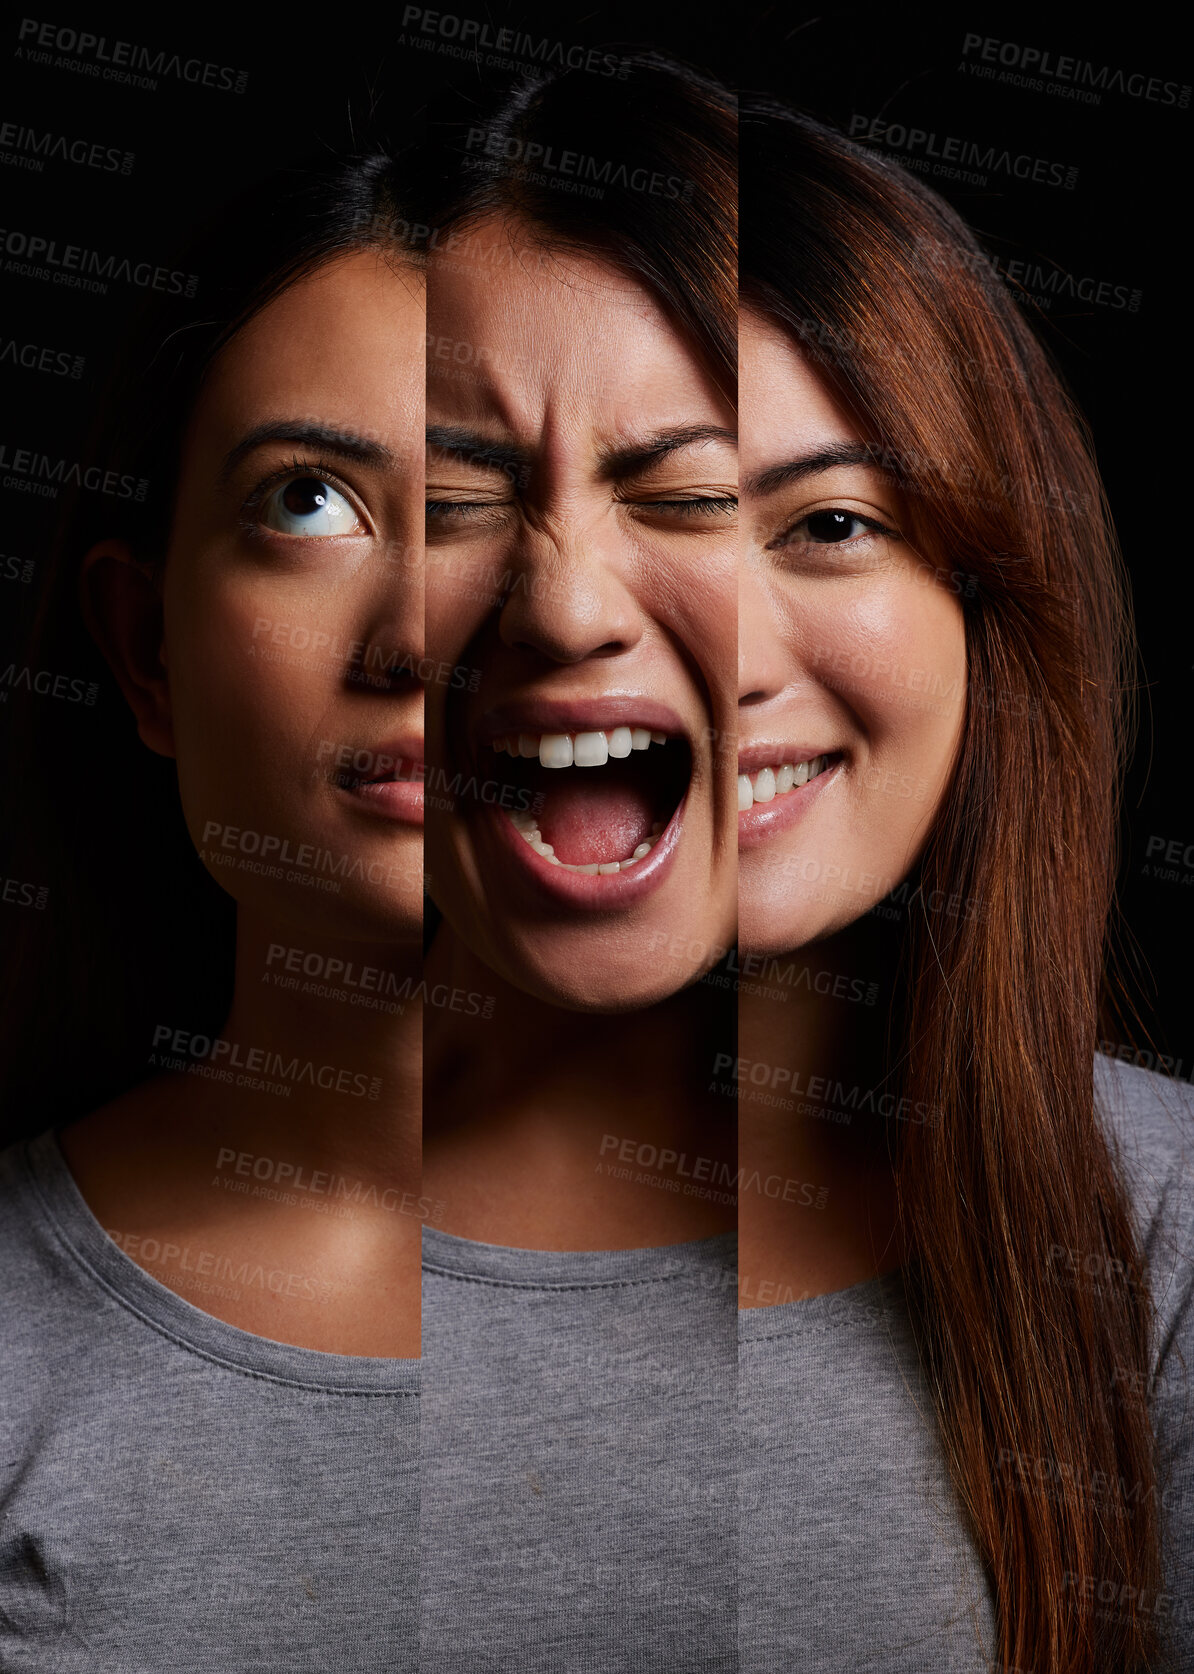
701 1259
69 1218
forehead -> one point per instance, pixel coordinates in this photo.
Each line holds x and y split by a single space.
786 408
516 331
343 345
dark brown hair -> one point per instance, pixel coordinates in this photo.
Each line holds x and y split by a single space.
135 931
640 169
896 307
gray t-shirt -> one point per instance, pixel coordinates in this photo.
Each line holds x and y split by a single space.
177 1494
578 1509
853 1551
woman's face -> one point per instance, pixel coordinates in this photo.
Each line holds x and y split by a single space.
581 563
293 607
852 681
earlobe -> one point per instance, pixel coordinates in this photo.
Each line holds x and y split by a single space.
122 607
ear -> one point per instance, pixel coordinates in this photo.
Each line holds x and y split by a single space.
122 607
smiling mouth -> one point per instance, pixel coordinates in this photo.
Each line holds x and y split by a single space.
768 783
595 801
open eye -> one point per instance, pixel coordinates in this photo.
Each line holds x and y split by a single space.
834 527
825 528
311 506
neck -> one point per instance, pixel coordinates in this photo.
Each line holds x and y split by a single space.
327 1037
817 1203
565 1130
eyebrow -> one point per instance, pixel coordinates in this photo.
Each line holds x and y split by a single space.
628 460
633 458
325 436
483 452
831 458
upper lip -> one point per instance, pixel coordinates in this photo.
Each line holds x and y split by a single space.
598 714
752 757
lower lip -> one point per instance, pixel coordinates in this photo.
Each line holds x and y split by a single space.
595 892
765 820
400 800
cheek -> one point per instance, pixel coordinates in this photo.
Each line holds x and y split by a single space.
895 653
251 677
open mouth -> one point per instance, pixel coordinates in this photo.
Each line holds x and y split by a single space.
595 802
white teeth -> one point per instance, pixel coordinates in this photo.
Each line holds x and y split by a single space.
589 750
770 782
524 824
577 749
555 749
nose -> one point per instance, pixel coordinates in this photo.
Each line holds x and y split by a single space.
566 600
766 666
391 647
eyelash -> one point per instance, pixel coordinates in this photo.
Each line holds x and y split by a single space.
701 505
870 524
288 473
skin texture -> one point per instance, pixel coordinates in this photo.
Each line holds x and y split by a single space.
858 648
255 723
852 647
564 358
612 593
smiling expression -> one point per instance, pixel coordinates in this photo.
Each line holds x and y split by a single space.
852 681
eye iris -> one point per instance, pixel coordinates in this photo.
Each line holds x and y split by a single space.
305 496
830 525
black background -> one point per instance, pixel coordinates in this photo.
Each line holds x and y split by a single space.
313 81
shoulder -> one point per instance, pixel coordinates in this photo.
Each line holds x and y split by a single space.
30 1261
1149 1121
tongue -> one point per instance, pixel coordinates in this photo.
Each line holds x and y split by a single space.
595 816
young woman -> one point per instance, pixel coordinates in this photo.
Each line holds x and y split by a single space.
582 551
967 1266
210 1307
